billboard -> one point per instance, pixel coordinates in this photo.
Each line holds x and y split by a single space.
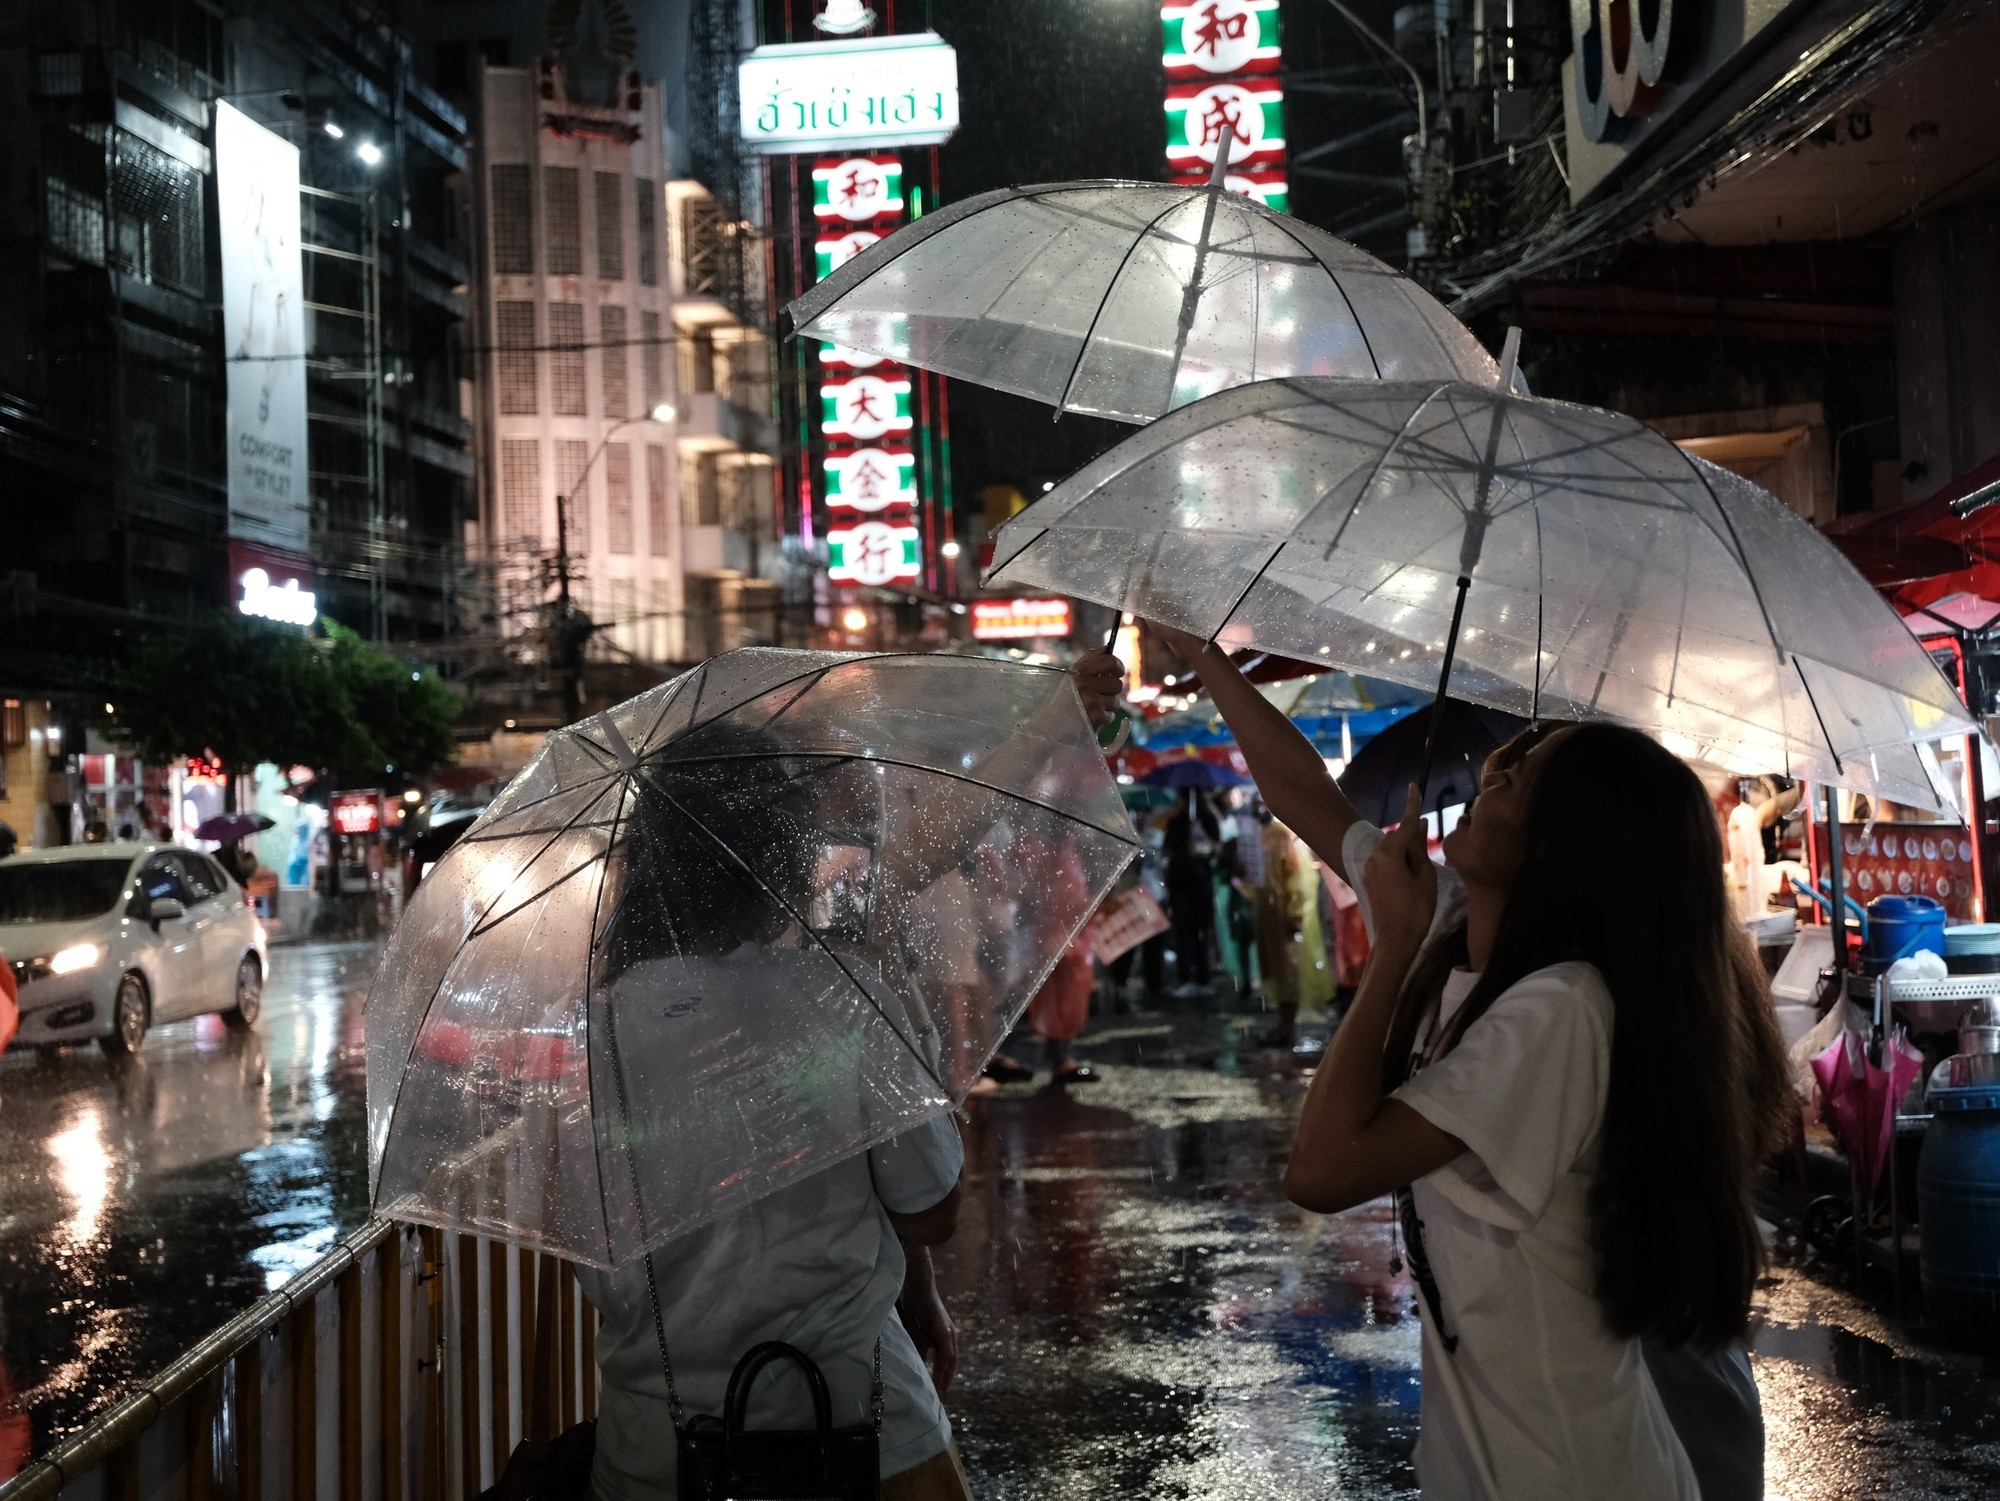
868 92
1019 619
263 331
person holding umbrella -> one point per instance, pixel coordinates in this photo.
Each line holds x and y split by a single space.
1568 1083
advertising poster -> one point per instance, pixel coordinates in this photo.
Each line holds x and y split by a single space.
263 328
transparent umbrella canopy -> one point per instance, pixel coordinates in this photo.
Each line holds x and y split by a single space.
1128 299
762 917
1584 566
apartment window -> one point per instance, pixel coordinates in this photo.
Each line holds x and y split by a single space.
624 609
701 490
610 226
520 490
564 213
518 368
616 365
657 536
645 220
618 498
513 221
697 361
74 164
650 368
566 389
571 483
158 223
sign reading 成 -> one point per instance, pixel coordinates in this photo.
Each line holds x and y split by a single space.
1019 619
865 92
263 331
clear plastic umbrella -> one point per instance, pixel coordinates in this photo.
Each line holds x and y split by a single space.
1128 299
1597 571
760 918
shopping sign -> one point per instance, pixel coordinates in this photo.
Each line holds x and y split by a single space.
1199 115
835 251
871 479
873 553
860 92
356 813
1019 619
865 407
1265 185
1220 37
858 190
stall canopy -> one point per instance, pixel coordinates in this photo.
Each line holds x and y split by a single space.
1939 558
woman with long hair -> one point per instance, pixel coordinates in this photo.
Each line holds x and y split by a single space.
1566 1067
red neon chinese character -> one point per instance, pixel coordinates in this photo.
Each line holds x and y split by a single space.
1214 29
1225 112
867 479
861 405
875 552
858 185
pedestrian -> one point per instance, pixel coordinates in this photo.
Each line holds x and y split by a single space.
9 840
1191 836
1569 1081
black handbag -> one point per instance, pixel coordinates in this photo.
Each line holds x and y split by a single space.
723 1460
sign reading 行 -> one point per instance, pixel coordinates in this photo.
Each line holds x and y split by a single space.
1019 619
873 553
865 92
263 331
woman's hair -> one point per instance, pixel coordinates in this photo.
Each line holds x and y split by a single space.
1698 1091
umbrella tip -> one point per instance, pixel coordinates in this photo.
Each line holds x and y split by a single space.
1220 174
628 759
1510 359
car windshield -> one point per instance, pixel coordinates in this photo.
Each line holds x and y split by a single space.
59 890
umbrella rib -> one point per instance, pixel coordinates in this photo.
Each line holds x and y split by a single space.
1110 286
1012 557
1541 581
1750 577
1381 463
590 1085
798 918
1255 579
918 766
1799 668
666 708
1332 276
811 683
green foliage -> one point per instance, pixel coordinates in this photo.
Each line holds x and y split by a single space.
249 690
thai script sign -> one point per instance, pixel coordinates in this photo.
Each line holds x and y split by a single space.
867 92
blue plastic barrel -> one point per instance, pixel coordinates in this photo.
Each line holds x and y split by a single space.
1958 1206
1902 925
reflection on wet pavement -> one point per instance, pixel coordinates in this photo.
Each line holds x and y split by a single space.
1142 1314
146 1203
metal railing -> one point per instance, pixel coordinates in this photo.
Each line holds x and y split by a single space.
407 1362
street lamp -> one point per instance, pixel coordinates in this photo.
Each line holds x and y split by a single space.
949 550
572 637
370 153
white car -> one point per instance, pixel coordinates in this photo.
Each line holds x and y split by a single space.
107 940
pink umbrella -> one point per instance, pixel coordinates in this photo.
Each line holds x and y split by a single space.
1858 1098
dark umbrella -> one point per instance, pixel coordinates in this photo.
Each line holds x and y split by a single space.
226 828
1378 778
1193 772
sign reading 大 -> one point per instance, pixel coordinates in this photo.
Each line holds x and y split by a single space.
864 408
863 92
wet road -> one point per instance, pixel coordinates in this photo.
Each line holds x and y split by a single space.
142 1205
1141 1312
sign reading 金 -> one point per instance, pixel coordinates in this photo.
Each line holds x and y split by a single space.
1019 619
865 92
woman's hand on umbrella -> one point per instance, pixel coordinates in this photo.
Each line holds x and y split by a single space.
1100 678
1186 644
1402 883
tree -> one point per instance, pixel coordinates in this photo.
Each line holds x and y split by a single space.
248 691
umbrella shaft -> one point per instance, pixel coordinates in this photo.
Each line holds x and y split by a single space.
1444 686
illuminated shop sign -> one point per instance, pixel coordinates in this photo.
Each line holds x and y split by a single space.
1019 619
858 190
865 407
1199 114
1219 37
873 553
866 92
356 813
835 251
285 602
871 479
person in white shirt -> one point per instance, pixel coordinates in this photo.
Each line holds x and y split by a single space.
1568 1070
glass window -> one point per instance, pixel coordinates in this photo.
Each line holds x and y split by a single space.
566 388
572 454
618 498
520 490
644 222
161 877
59 890
658 540
519 366
200 877
513 231
610 226
562 205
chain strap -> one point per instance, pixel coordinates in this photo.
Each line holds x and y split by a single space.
875 1391
674 1410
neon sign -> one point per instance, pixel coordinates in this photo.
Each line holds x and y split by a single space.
872 91
285 602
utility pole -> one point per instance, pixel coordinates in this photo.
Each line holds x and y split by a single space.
569 638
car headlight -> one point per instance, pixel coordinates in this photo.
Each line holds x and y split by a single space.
77 956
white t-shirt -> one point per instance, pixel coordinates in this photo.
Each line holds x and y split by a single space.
1540 1400
816 1265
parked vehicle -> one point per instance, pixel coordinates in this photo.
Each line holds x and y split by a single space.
108 940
